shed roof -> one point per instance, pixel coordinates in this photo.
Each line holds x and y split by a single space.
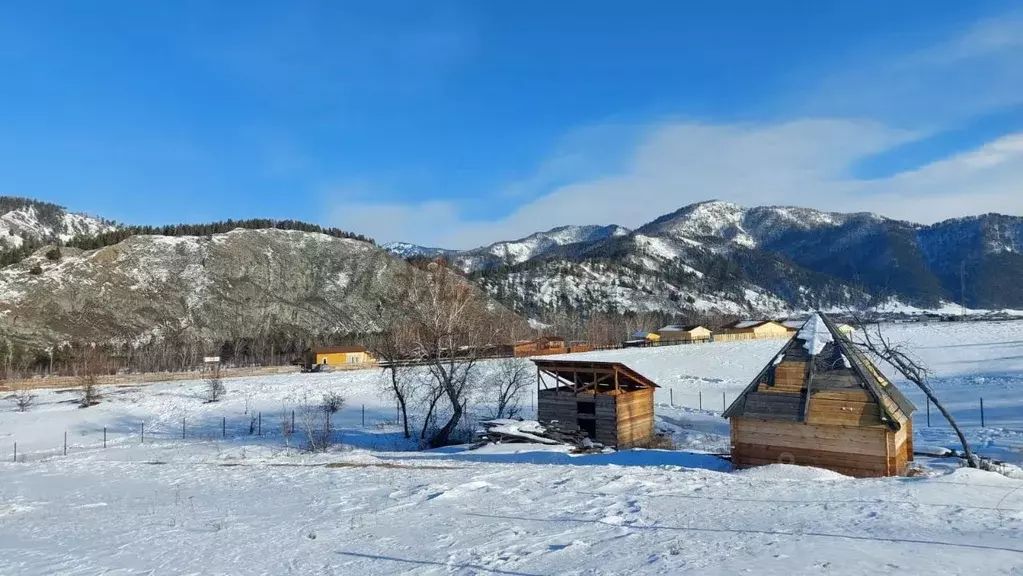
591 373
820 338
338 349
744 324
678 328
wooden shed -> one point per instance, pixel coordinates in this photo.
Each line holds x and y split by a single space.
822 402
612 403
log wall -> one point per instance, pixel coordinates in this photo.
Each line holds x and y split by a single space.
561 409
855 451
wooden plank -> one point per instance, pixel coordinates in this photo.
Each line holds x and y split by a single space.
842 395
844 414
857 434
875 448
818 458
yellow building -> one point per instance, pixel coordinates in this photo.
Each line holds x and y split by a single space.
691 333
752 330
340 355
644 335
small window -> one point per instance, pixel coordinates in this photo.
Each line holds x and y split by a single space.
586 407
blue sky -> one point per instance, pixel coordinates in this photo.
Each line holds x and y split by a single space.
461 123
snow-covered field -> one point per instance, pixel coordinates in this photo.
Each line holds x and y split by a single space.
222 501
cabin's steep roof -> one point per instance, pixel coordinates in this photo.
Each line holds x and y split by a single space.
826 352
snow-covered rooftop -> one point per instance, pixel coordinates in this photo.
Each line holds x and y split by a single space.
815 335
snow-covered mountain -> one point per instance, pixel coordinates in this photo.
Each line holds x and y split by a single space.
511 252
406 250
724 254
24 220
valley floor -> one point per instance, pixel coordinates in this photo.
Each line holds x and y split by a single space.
222 501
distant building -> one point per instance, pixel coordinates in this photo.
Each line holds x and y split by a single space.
333 356
541 346
752 330
641 335
690 333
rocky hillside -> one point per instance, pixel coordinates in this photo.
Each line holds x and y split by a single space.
23 220
282 284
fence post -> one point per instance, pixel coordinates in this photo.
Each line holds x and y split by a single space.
65 442
981 411
182 428
15 452
104 436
671 396
260 424
223 426
363 415
143 433
701 399
928 412
724 404
292 421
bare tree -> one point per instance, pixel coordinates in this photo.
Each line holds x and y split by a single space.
393 347
452 325
508 381
23 397
898 357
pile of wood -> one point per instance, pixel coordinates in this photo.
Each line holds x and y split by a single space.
531 432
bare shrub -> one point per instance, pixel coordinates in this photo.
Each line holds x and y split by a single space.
23 398
661 442
88 390
315 421
213 390
88 365
333 402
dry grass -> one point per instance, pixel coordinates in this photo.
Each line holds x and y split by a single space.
661 442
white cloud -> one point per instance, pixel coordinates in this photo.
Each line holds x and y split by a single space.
803 163
806 162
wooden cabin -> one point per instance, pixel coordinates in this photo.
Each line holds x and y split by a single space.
612 403
821 402
690 333
751 330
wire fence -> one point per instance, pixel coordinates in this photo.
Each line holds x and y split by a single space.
295 428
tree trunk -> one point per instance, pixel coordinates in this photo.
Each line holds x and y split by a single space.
443 437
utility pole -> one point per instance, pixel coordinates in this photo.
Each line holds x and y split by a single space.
962 288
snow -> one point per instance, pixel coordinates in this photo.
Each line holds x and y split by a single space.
209 504
815 335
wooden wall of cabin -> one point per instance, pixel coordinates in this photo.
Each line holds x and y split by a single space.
572 412
557 406
852 450
635 418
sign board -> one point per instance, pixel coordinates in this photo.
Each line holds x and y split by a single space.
211 359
